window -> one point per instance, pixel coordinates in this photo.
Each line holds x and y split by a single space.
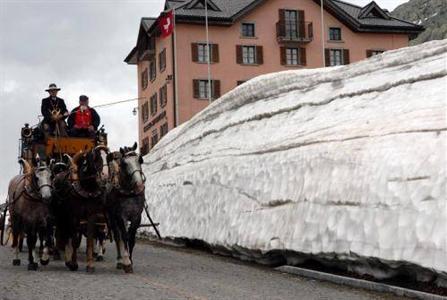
152 70
201 89
162 60
144 79
145 112
370 53
291 23
239 82
154 104
145 149
335 57
163 95
248 55
154 138
202 50
292 56
335 34
163 130
248 30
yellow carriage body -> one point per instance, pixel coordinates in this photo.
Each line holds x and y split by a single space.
68 145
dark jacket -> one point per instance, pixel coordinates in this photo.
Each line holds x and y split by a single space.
47 107
96 120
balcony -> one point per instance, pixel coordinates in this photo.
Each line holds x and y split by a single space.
286 34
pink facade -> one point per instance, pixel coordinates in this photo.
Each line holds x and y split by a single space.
228 71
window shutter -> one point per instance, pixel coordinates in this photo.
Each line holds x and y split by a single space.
310 30
346 57
283 55
259 55
239 54
282 16
195 88
195 52
301 25
303 59
216 89
328 58
369 53
215 53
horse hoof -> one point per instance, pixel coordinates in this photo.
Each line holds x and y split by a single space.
119 266
32 267
90 269
72 266
128 269
44 262
100 258
95 254
16 262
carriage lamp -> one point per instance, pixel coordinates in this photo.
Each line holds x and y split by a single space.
135 111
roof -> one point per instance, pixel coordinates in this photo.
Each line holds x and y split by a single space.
219 11
370 18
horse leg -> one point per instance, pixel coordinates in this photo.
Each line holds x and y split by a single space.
70 252
91 224
100 243
127 264
44 244
31 240
15 248
132 235
16 229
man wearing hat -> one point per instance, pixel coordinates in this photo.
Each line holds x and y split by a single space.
54 112
83 120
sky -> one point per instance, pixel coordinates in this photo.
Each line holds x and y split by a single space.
79 45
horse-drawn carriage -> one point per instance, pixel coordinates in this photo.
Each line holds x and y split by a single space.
68 183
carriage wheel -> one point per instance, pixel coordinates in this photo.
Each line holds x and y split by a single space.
3 227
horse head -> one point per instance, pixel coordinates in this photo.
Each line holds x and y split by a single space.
100 159
41 177
132 175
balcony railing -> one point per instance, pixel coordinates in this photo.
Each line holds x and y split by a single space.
302 33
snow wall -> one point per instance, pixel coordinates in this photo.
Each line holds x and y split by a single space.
346 164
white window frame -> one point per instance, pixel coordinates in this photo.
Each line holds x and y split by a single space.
293 59
334 60
247 57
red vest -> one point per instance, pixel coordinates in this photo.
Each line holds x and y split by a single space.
83 119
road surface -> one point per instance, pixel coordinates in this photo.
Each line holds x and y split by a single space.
163 272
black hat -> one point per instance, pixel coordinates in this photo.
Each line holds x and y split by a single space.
83 98
52 87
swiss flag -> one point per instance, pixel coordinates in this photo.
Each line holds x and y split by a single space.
166 23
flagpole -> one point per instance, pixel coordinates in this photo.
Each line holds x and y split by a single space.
208 52
175 72
322 33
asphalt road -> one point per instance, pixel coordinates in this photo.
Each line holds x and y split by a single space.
163 272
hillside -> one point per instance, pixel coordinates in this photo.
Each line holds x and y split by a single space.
432 14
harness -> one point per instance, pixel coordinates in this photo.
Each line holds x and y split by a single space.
116 179
29 191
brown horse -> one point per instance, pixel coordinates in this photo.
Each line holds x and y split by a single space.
125 202
29 197
80 196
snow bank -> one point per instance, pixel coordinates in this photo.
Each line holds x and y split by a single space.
347 162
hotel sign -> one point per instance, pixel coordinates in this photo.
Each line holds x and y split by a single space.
157 119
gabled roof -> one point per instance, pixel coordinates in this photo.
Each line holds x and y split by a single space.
359 19
373 10
145 28
370 18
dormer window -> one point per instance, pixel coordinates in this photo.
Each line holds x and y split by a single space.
335 34
372 10
200 4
